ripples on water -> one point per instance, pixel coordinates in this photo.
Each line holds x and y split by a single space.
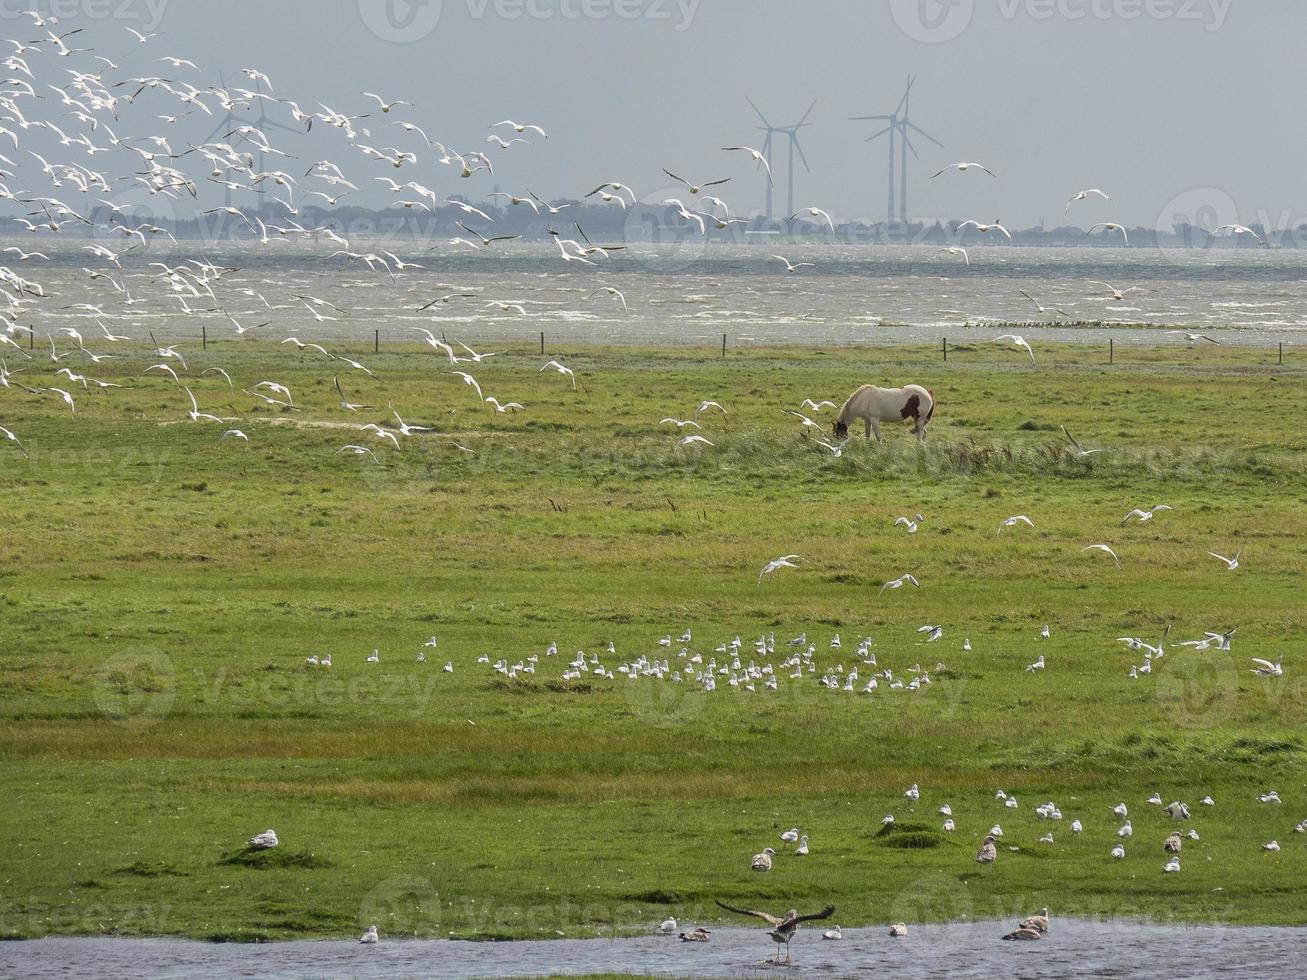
688 291
1071 949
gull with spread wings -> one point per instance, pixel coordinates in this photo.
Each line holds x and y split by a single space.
783 926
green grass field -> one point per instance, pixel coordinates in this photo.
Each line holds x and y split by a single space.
161 591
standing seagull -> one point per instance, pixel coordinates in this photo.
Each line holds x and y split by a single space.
783 927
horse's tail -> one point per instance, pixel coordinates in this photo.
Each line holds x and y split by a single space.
931 413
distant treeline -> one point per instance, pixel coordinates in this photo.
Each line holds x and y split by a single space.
602 223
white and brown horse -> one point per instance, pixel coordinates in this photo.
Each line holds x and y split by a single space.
876 405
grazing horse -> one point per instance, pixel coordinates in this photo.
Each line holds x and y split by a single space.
876 405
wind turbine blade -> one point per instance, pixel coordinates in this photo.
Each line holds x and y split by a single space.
906 92
759 112
803 120
871 117
794 142
923 132
887 129
903 134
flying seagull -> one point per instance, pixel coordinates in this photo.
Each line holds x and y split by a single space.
785 561
1103 548
1078 449
757 156
963 168
1017 342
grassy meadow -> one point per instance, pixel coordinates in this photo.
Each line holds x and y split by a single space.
160 591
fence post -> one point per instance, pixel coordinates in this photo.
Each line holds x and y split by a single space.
1111 350
376 341
204 337
944 347
1282 352
723 345
542 341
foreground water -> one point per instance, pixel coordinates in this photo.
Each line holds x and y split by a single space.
1071 949
690 292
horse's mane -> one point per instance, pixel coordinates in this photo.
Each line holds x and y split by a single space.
844 409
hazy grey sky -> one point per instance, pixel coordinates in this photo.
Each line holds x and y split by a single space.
1149 99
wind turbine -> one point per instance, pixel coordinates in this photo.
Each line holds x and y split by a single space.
792 135
262 123
897 126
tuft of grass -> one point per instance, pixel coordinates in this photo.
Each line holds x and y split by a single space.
276 857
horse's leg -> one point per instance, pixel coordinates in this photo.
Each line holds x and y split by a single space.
875 427
867 423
